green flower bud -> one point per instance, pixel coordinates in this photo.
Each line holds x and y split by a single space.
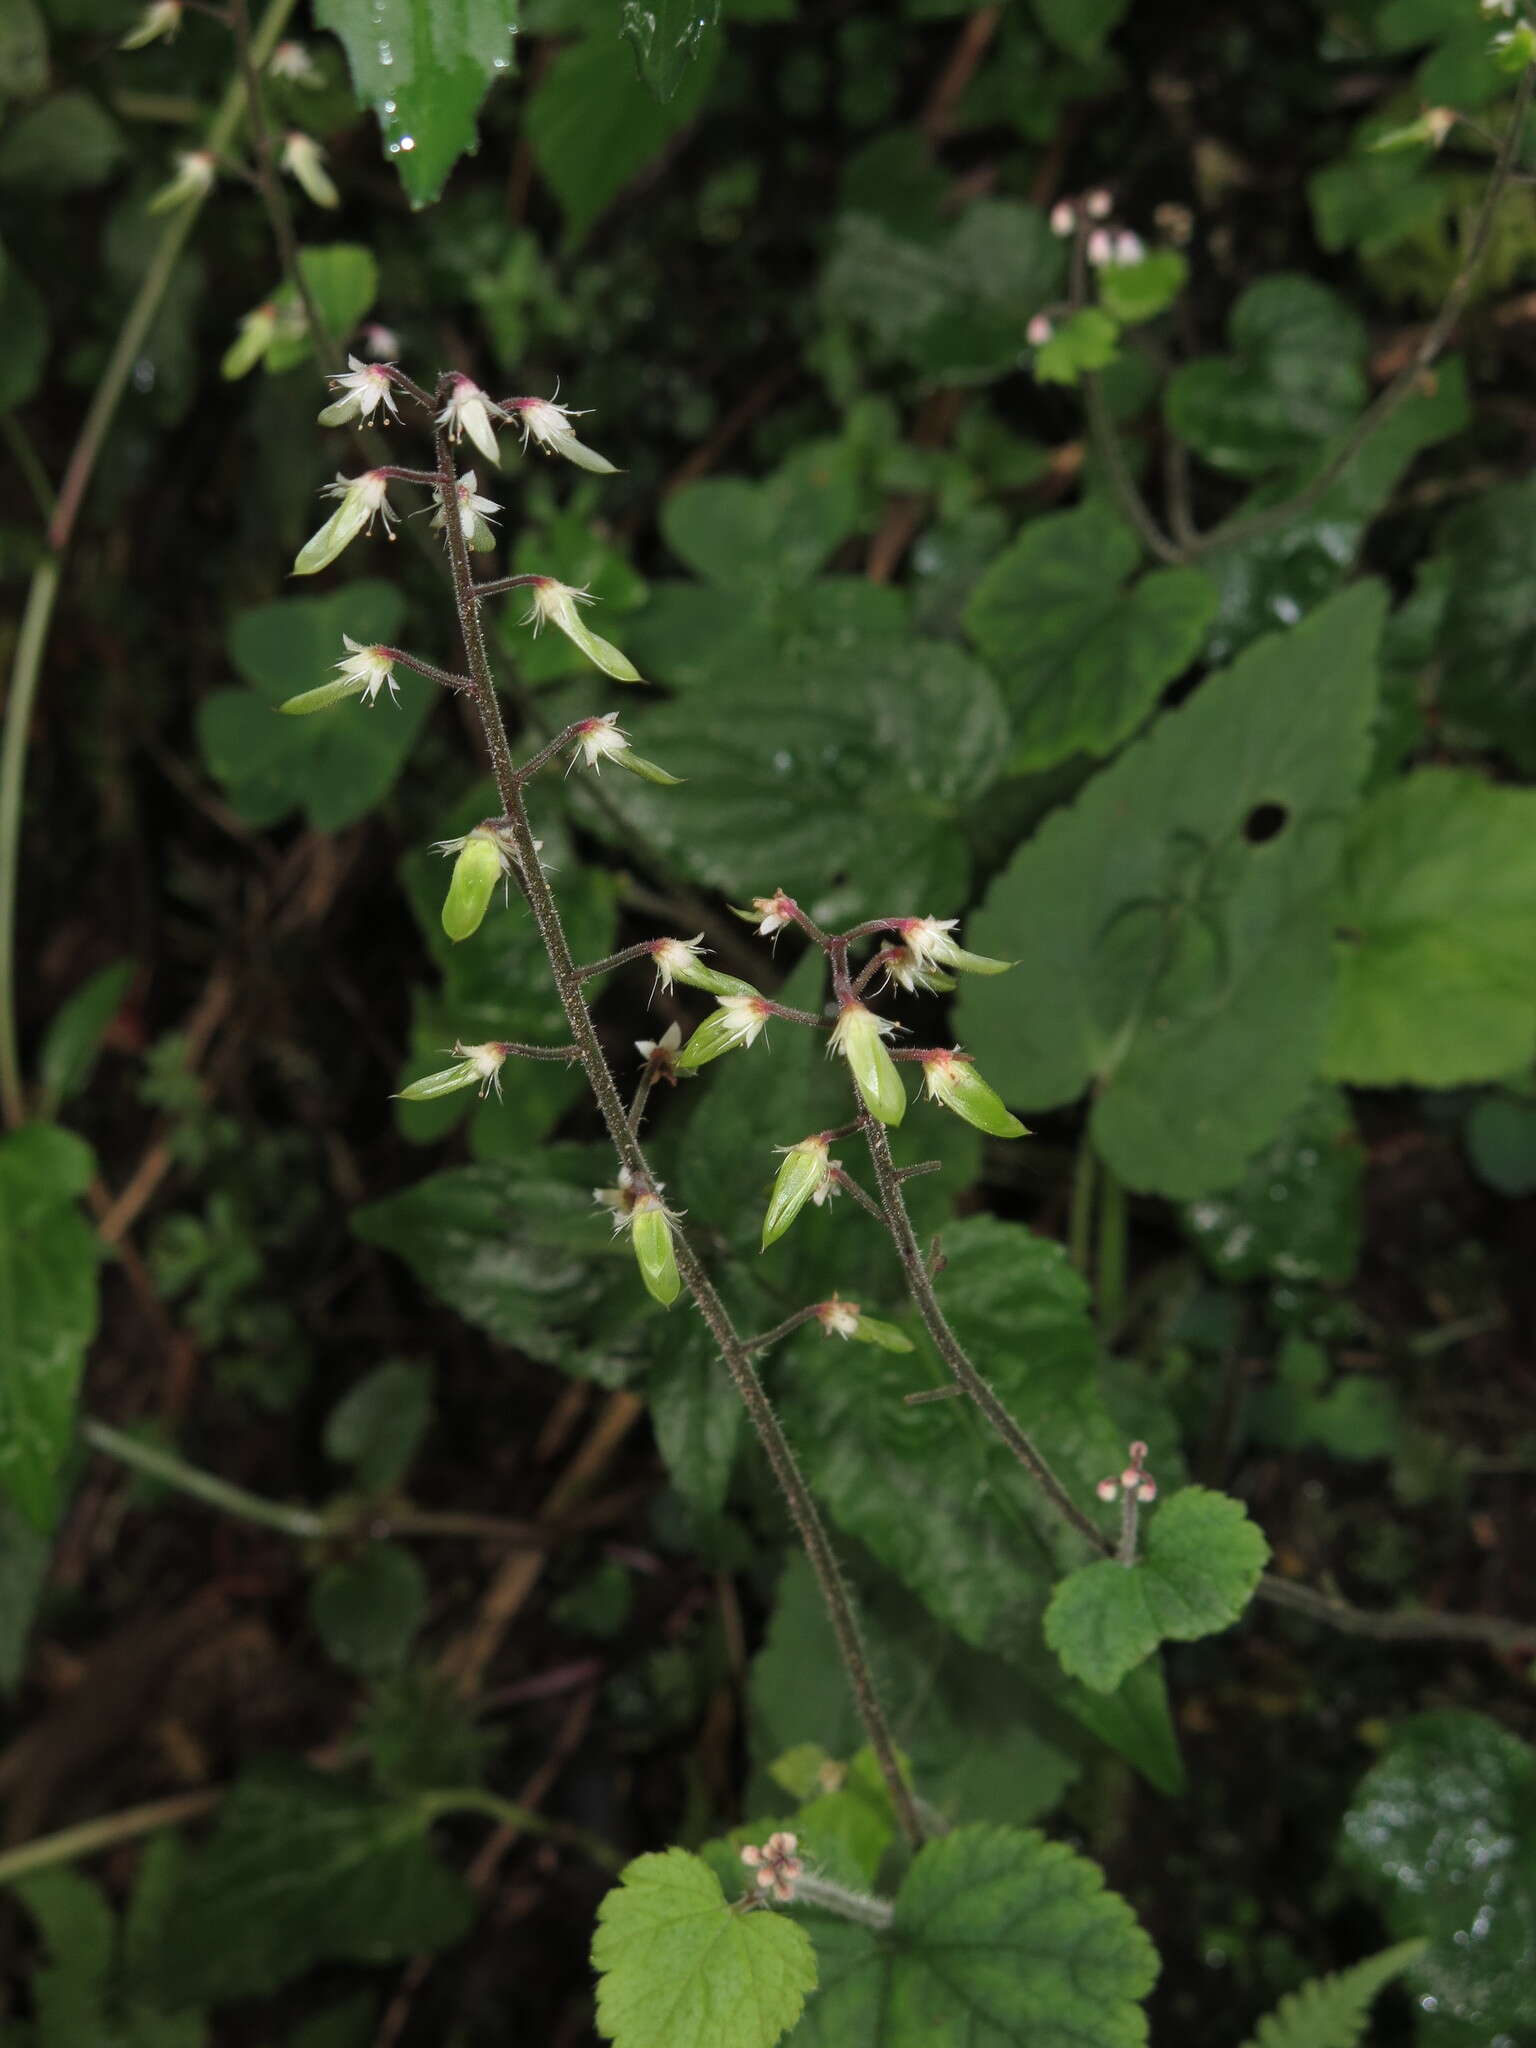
737 1022
258 330
651 1229
859 1035
839 1318
479 1065
476 872
955 1082
1515 48
805 1176
886 1335
679 960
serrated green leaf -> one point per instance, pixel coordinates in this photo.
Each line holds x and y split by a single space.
697 1415
1295 1214
335 766
594 124
377 1426
1081 652
1331 2012
1177 914
1433 919
424 68
1133 292
1296 375
367 1609
999 1938
1199 1565
48 1265
678 1969
301 1868
70 1990
1086 340
1442 1835
771 535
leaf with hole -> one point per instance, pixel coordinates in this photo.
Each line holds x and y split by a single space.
1176 913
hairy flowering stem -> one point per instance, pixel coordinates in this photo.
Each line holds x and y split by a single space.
780 1331
920 1287
626 1143
446 677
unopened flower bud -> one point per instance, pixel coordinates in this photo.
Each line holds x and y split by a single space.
1098 205
651 1230
363 499
293 62
550 425
1063 217
839 1318
304 161
769 913
469 411
738 1021
479 1065
805 1176
555 604
480 865
953 1080
258 330
859 1036
160 18
777 1867
1039 330
195 172
680 960
600 740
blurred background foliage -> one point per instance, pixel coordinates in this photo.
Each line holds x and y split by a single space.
953 558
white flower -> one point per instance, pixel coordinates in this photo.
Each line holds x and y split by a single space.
661 1051
363 499
550 425
931 952
160 18
471 510
469 411
487 1061
364 387
600 740
1039 330
381 344
772 912
194 176
1098 205
1101 248
304 160
373 667
1063 217
292 61
744 1017
1129 248
555 604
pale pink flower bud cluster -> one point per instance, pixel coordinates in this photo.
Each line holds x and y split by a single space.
1133 1480
777 1866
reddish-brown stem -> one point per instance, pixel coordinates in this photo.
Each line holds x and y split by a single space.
769 1338
546 916
446 677
645 950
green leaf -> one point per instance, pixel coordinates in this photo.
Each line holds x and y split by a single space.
1079 26
367 1609
1176 913
1295 1214
77 1926
1500 1136
336 766
74 1036
1081 652
678 1969
1331 2012
378 1425
23 336
1086 340
424 68
825 779
594 124
1442 1835
24 1555
933 1492
343 280
1200 1563
48 1261
302 1869
1296 376
1433 920
980 1742
23 52
1133 292
668 36
770 535
955 311
1487 647
999 1937
63 144
698 1417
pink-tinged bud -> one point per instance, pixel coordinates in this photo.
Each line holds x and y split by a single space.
1098 205
1147 1490
951 1079
1107 1489
681 960
1101 248
1063 217
776 1866
1039 330
839 1318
